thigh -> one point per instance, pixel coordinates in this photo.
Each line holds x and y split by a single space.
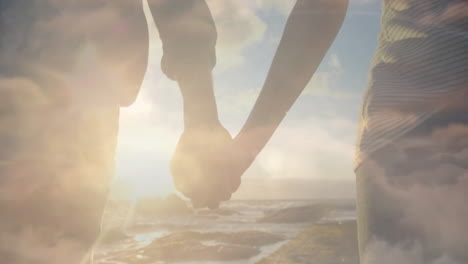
55 170
412 196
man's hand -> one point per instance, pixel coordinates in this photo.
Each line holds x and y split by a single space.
199 166
208 165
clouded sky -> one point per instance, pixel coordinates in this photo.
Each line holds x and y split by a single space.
315 141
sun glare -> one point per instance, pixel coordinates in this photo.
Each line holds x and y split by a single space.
140 110
148 187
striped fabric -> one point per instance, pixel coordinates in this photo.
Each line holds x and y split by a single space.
419 68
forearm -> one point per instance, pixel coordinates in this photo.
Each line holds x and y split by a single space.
188 34
309 32
187 31
168 14
197 91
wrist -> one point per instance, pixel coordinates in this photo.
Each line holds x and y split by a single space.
200 109
201 121
248 144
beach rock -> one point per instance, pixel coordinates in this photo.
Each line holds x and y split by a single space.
327 243
143 228
196 246
190 250
253 238
309 213
112 236
218 211
138 228
193 250
169 206
250 238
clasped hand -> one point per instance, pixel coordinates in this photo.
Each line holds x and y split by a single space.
207 165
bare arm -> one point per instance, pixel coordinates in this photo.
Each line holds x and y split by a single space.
188 34
309 32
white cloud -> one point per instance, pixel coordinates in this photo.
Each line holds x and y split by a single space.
453 13
282 7
310 148
363 1
322 83
153 129
384 253
335 63
238 27
419 195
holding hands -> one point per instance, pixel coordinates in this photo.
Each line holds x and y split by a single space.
198 163
208 164
205 163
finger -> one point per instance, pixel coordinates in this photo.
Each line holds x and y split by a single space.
226 197
214 194
199 199
233 180
235 183
213 204
205 196
226 192
217 192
